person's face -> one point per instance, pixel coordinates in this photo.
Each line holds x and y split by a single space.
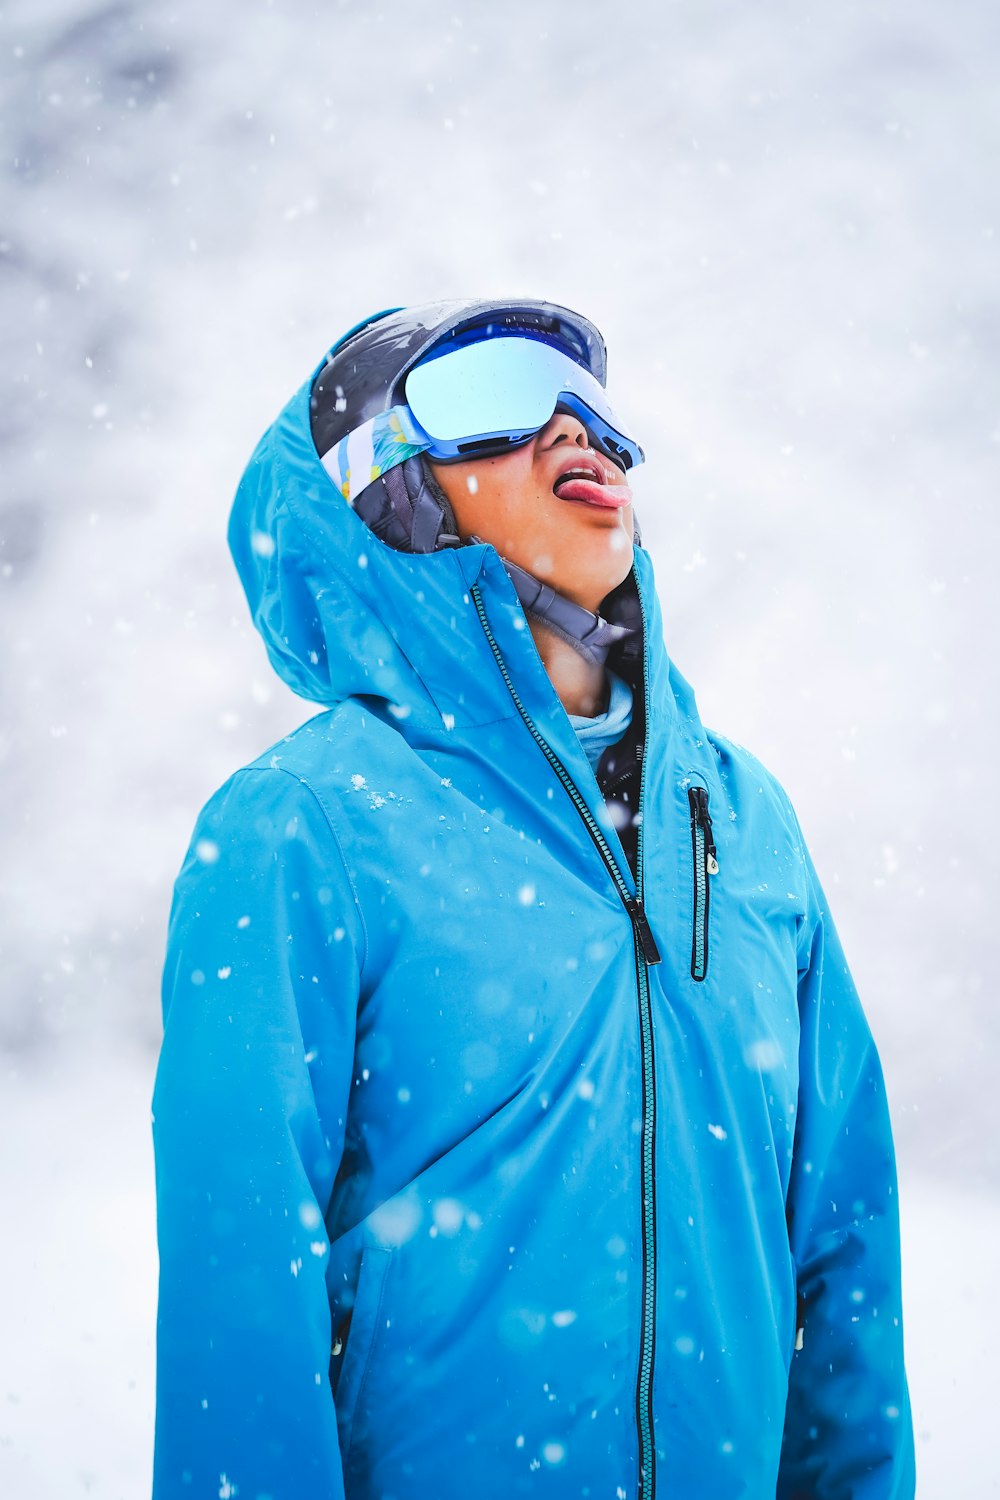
575 535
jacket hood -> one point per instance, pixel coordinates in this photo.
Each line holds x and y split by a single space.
329 599
342 614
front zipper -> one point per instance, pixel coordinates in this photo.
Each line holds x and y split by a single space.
703 854
646 953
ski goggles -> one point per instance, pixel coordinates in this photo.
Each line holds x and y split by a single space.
477 400
482 398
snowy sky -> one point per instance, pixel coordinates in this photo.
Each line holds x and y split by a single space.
785 219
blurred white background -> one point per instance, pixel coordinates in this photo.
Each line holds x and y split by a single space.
785 218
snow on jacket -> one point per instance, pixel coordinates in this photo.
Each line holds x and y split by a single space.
460 1191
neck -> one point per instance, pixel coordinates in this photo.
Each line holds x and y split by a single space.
582 686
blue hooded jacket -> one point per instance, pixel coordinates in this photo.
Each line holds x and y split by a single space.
484 1168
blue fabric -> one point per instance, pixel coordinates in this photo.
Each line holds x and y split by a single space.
401 1081
597 733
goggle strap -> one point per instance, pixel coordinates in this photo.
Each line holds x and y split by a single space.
384 441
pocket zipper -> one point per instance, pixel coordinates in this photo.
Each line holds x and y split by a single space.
704 854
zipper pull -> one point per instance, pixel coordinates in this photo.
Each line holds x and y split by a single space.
701 815
644 932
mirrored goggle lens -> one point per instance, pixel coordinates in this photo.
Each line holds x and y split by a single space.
507 389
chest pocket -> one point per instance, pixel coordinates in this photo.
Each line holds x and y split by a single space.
704 865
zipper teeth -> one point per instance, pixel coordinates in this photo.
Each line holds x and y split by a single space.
699 930
644 1384
644 1388
700 905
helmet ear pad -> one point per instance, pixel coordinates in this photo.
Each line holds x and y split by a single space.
407 509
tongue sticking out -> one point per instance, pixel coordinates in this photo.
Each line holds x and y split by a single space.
589 492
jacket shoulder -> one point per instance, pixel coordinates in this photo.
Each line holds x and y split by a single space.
267 815
311 739
744 776
258 801
307 773
329 743
764 813
758 803
305 755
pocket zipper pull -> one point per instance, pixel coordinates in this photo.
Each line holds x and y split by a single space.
704 820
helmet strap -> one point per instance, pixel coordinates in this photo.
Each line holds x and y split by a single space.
587 632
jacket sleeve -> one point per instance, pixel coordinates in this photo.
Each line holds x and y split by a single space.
260 992
848 1431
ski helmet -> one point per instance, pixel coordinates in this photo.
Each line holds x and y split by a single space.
366 369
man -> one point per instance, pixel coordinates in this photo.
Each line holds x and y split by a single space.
518 1127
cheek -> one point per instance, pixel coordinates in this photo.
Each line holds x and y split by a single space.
511 499
471 495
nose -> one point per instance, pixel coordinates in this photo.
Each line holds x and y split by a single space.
564 427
